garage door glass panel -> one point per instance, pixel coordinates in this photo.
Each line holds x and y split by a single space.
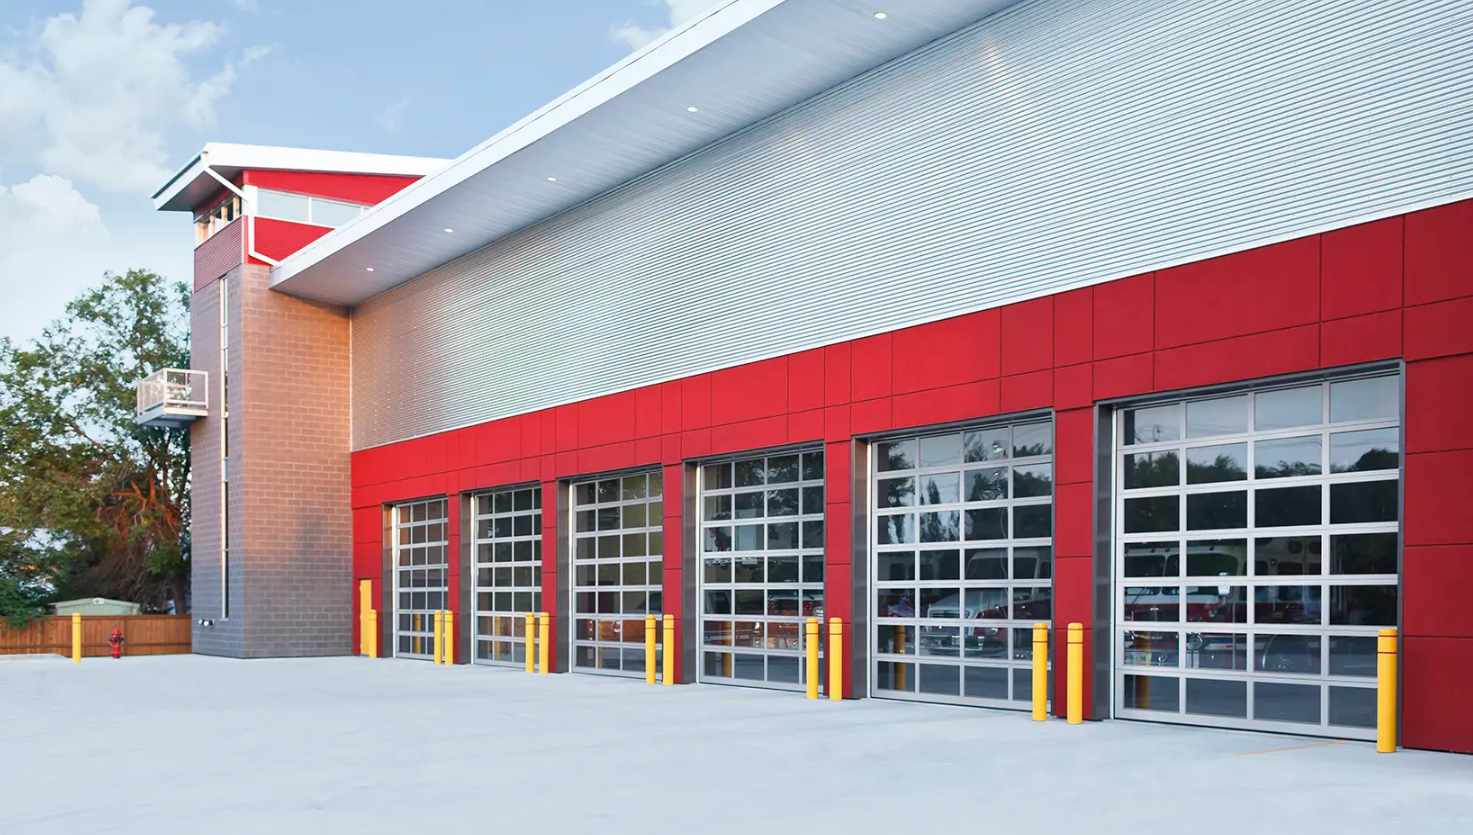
1250 584
507 541
618 560
962 543
421 574
761 567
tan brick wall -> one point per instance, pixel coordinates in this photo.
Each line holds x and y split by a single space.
290 469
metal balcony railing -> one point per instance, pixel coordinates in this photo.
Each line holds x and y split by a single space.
172 397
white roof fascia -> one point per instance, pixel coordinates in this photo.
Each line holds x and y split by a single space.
675 46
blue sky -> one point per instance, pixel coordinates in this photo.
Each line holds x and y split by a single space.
100 99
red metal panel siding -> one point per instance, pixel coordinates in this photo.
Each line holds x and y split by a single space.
368 189
276 239
222 252
1319 302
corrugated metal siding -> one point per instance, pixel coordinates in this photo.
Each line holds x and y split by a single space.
1060 143
219 254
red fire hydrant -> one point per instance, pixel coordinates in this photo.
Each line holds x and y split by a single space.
116 639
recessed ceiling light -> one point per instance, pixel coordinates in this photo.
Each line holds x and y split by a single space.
880 15
370 269
448 230
693 109
552 179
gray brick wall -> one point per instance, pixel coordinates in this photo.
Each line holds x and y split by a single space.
290 517
292 472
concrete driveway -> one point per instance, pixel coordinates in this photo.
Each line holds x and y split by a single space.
346 745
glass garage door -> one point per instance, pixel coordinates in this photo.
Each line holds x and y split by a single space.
508 549
618 553
421 555
1256 556
761 567
962 544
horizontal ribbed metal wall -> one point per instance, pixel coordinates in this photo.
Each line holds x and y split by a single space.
1060 143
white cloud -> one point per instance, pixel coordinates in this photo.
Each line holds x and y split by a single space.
677 12
391 117
91 96
49 235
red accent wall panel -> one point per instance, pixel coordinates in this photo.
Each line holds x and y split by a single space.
1435 497
1439 253
1123 316
1243 358
1437 676
1263 289
276 239
1440 329
806 381
752 391
1074 335
870 367
1439 404
1028 336
1376 336
1438 578
368 189
1361 270
946 353
1323 301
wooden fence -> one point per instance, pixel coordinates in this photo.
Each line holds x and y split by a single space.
143 635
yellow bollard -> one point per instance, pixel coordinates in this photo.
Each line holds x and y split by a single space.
365 605
1386 692
649 649
1040 672
810 632
76 638
449 637
836 659
531 642
372 633
439 632
1076 673
544 642
670 651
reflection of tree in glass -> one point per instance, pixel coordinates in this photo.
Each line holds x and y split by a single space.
1159 469
899 492
987 485
1027 450
896 456
1374 458
940 527
933 492
1222 468
1288 469
895 529
1158 513
1032 482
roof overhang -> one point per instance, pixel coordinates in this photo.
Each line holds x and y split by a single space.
738 64
191 185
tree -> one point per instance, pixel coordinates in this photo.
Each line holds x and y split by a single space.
90 503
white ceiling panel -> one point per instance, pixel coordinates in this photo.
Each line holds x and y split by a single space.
742 62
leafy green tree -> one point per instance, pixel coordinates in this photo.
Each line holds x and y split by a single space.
92 504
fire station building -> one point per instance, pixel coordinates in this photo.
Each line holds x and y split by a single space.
942 317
